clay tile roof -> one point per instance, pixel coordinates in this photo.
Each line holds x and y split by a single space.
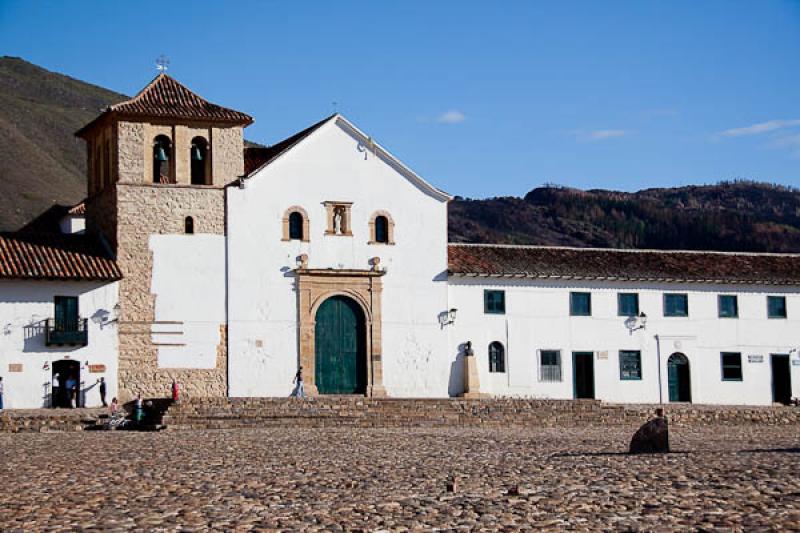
541 262
54 257
165 98
258 157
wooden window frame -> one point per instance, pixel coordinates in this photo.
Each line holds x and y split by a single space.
622 295
572 310
550 378
770 315
486 309
723 366
497 360
626 353
668 296
720 298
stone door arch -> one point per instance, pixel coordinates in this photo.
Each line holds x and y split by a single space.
361 287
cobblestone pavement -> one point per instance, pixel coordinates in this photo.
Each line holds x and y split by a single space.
744 478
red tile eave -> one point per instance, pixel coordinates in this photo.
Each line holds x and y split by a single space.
24 257
616 265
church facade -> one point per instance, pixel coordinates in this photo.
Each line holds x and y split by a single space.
229 268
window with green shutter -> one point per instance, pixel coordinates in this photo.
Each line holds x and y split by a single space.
731 366
494 302
776 306
66 313
628 304
728 306
676 305
630 364
580 304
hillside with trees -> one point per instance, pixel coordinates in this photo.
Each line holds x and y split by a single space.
741 215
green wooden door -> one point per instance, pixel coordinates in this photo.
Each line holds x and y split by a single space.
678 378
340 364
66 313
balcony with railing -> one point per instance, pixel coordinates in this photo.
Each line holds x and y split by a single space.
66 333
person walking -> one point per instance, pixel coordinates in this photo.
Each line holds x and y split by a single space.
70 385
139 409
299 391
1 393
176 391
103 391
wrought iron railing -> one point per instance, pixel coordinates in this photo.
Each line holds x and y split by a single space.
70 332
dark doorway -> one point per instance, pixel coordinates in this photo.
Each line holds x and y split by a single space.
66 384
679 378
781 379
340 347
583 364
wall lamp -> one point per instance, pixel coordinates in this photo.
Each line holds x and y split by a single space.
447 317
634 323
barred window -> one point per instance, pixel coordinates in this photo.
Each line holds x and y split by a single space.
497 357
550 365
630 364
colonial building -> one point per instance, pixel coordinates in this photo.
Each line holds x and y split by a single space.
228 268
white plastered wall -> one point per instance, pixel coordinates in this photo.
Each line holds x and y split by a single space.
330 165
537 318
189 287
24 306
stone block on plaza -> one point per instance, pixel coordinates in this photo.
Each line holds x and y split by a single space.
652 437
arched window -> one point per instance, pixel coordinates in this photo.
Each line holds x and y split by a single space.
189 225
497 357
198 155
162 156
381 228
295 226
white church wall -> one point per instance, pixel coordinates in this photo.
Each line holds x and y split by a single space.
188 281
538 318
26 362
263 317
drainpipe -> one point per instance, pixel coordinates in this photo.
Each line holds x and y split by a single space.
658 355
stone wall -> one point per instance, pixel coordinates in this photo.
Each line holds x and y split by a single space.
101 216
227 146
144 210
131 152
332 411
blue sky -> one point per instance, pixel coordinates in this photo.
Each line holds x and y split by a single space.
481 98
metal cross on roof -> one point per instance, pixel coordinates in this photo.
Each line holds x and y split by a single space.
162 63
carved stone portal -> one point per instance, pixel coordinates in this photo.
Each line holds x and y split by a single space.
365 287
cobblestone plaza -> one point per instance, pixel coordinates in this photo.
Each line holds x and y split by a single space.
745 478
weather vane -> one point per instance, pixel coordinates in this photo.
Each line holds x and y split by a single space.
162 63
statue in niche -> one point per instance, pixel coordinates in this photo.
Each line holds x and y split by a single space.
338 215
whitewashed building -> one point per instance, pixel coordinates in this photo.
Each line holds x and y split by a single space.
57 313
234 267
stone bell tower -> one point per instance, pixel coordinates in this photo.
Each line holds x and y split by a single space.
158 165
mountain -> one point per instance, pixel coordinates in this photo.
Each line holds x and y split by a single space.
741 216
42 164
41 161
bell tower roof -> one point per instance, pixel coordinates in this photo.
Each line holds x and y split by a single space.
165 98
